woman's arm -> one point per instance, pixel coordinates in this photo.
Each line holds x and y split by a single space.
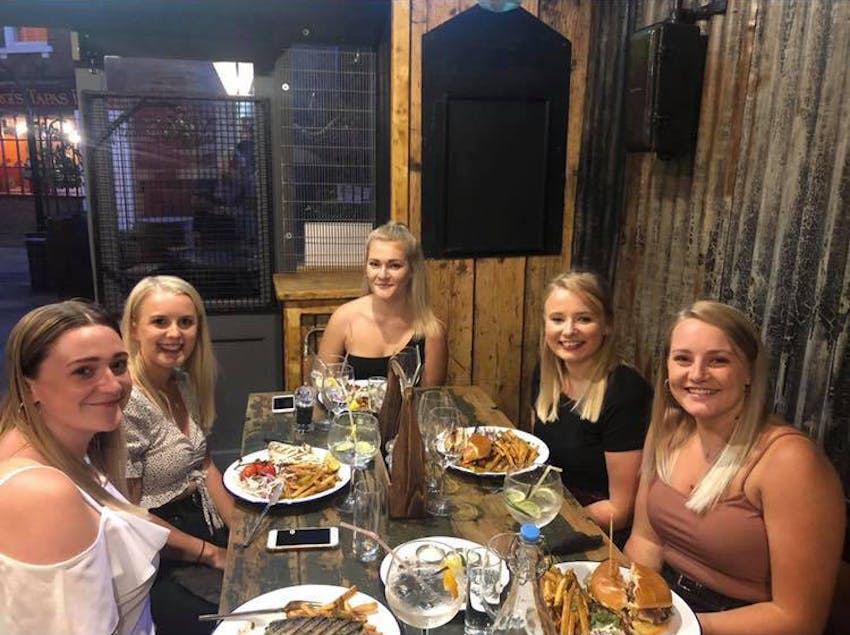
32 505
623 476
221 498
644 545
803 506
436 359
180 545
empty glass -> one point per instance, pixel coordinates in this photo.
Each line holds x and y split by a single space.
427 401
336 387
317 373
448 438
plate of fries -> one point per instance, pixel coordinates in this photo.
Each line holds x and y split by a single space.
510 450
568 602
321 600
307 473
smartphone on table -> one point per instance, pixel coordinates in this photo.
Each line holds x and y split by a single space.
283 403
303 538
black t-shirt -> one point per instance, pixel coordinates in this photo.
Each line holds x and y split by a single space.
578 445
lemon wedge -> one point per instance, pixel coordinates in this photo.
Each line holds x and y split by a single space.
331 463
454 564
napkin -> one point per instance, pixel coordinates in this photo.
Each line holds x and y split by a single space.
407 480
573 542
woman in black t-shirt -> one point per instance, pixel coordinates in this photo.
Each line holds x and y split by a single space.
591 409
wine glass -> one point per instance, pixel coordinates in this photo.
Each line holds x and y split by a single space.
448 438
426 583
353 438
427 401
317 374
533 495
336 380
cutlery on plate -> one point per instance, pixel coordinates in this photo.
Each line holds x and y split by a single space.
240 615
274 497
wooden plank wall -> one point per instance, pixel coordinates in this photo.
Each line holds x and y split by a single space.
491 306
760 216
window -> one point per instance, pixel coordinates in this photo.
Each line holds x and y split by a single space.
25 39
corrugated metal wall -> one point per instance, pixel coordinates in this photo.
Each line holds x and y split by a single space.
760 216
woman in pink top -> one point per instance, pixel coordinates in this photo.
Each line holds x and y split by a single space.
735 505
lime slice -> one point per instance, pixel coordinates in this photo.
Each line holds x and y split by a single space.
343 446
364 448
521 504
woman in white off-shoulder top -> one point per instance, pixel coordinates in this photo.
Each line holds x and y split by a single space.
75 556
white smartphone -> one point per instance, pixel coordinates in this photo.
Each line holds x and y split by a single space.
303 538
283 403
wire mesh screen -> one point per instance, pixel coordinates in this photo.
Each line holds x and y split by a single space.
179 186
327 155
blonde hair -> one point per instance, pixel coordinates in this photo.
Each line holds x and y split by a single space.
28 346
594 292
425 323
200 365
671 426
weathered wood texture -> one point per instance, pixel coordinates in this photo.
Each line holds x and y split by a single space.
254 570
759 217
491 306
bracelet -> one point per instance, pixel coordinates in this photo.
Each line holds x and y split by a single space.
203 548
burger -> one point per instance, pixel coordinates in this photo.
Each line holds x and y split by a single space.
651 601
644 604
477 447
607 589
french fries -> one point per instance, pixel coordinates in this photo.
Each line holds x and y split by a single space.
306 479
339 608
507 452
566 602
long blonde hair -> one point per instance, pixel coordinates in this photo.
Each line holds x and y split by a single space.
28 345
201 364
594 292
671 426
425 323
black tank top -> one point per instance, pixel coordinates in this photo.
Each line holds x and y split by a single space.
366 367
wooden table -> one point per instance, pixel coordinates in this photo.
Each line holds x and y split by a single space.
254 571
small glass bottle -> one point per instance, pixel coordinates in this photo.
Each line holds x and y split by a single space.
304 401
524 612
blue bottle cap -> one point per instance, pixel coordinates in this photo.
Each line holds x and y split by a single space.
529 533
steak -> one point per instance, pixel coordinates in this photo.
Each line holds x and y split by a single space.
315 626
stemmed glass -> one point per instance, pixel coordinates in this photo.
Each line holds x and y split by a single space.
534 495
426 583
317 378
428 400
336 381
447 439
353 439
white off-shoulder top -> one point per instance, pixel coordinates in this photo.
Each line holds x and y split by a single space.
102 590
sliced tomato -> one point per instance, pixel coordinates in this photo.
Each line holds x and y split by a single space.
258 468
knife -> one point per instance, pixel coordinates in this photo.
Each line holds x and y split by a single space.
239 615
274 497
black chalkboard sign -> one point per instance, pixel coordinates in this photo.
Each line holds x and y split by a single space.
495 100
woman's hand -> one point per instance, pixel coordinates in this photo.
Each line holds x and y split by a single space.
214 556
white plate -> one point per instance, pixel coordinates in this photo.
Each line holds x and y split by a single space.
683 621
234 484
542 450
383 620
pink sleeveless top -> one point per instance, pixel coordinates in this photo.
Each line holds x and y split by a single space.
726 548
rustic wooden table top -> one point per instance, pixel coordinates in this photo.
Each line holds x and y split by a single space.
254 571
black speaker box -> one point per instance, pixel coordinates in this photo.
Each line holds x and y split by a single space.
663 89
